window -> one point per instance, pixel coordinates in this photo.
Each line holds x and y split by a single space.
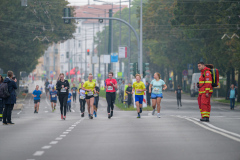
79 44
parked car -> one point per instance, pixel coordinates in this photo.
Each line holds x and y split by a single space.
194 88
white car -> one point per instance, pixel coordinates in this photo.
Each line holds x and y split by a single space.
194 88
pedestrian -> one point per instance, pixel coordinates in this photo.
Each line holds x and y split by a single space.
11 100
129 94
232 94
96 100
148 95
74 92
63 90
50 86
82 100
1 100
155 88
121 90
69 102
53 98
110 86
46 86
205 91
89 87
138 88
178 93
37 94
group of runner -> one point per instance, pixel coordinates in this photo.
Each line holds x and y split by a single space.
89 93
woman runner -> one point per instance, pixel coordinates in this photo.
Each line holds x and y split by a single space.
111 86
156 89
89 87
63 89
82 100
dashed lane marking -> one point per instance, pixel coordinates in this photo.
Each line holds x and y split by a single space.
38 153
59 138
46 147
63 135
19 112
65 132
53 142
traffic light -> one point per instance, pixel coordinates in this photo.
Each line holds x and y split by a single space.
67 13
67 55
88 51
145 69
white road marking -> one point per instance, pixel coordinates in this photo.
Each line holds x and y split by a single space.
19 112
72 110
38 153
46 147
53 142
74 125
59 138
65 132
71 127
63 135
46 111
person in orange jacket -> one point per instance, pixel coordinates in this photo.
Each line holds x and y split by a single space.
205 91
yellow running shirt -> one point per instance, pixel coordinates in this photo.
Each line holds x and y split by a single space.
89 85
139 85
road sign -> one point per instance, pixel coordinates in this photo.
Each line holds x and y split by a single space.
190 66
122 52
106 59
119 74
190 72
114 57
185 72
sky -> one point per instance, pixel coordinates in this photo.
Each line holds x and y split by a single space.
85 2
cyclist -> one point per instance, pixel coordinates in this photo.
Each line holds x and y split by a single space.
96 99
139 89
37 94
62 87
155 89
74 93
82 100
89 87
111 86
53 98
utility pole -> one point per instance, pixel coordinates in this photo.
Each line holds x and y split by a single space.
93 50
105 44
85 77
120 36
110 39
140 56
129 43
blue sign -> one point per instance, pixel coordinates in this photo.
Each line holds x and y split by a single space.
114 57
51 72
190 66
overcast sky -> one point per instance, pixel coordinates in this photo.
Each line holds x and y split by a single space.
85 2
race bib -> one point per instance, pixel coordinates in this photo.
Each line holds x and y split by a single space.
95 95
82 97
74 91
156 90
63 90
53 95
138 91
110 87
90 93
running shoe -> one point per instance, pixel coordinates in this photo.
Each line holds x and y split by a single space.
109 116
70 110
35 111
64 118
91 116
82 115
140 110
10 123
94 112
153 112
139 116
5 124
158 115
111 113
61 116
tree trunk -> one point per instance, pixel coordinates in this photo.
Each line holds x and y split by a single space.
233 76
228 83
167 76
174 80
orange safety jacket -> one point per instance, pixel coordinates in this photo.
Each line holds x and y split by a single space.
205 82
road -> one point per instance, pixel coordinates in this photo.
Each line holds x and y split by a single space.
177 135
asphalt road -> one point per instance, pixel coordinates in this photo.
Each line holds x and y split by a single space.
177 135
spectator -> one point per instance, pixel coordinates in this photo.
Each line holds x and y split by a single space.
1 100
129 93
11 100
232 94
147 93
121 90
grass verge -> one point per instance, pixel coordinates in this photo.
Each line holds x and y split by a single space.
225 101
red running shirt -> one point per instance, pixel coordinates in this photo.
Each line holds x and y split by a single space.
109 86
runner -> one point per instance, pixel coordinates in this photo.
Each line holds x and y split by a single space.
89 87
82 100
37 94
139 89
156 94
53 98
50 86
96 99
46 86
178 93
74 93
111 86
62 87
69 102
